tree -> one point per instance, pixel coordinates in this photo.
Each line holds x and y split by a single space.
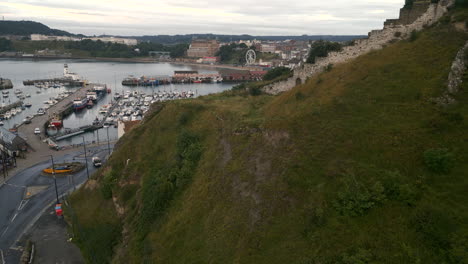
5 44
276 72
321 48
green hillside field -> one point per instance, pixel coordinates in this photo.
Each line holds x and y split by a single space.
357 165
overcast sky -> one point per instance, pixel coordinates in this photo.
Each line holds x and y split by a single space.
254 17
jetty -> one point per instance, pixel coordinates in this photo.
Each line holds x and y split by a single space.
62 108
68 79
62 81
7 108
68 133
5 84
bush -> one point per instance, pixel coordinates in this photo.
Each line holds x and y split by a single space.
255 91
356 200
321 48
277 72
439 160
299 96
461 3
413 36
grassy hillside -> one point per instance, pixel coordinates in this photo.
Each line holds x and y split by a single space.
354 166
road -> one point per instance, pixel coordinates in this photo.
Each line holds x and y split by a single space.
18 212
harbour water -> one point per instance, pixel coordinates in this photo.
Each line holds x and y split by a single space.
109 73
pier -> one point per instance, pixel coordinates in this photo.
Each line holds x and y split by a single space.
7 108
84 129
62 108
62 81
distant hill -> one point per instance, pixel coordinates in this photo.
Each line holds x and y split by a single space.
28 28
174 39
24 28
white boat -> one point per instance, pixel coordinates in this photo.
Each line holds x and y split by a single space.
1 123
104 109
91 96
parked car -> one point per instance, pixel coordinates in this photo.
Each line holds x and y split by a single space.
37 131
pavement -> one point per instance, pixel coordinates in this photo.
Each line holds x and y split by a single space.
52 241
25 197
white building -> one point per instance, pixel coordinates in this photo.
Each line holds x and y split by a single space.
125 41
39 37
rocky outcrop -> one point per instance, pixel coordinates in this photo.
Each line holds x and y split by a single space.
377 40
455 79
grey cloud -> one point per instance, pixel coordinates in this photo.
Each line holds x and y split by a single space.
259 17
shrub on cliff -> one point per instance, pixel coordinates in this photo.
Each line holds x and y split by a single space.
276 72
439 160
321 48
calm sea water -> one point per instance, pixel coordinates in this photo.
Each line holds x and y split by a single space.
109 73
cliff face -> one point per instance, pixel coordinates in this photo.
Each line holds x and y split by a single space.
414 19
353 166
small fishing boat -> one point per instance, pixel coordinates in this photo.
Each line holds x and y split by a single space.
57 170
52 130
96 121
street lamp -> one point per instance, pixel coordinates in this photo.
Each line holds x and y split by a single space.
108 141
55 179
86 157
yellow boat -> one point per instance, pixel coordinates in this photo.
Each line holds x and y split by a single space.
49 171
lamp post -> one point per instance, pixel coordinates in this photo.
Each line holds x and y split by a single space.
86 157
108 141
55 179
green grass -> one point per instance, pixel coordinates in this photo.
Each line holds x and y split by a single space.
332 171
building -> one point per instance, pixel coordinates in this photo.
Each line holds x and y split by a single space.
125 41
11 144
203 48
39 37
210 60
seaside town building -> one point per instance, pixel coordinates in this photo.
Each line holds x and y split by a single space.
125 41
203 48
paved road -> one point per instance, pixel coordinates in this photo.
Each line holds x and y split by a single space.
18 213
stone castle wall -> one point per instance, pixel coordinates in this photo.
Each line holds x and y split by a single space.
377 40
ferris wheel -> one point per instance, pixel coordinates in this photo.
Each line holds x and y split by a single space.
250 57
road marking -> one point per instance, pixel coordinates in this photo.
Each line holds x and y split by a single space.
4 231
3 258
22 204
16 186
13 219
